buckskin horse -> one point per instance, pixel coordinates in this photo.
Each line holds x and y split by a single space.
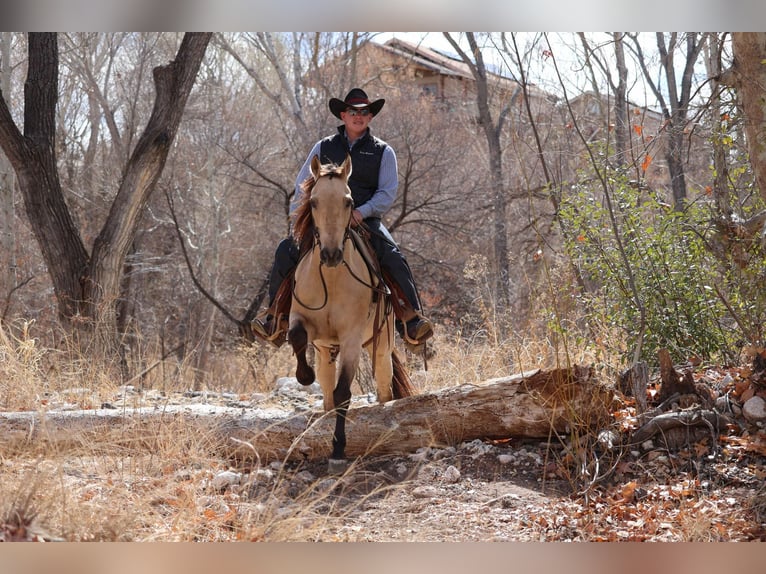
340 303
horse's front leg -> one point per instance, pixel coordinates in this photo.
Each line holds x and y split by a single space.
348 364
299 341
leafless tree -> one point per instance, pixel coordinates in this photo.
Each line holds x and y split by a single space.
87 284
618 87
492 128
675 97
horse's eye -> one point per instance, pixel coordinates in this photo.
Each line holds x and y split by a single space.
313 203
349 202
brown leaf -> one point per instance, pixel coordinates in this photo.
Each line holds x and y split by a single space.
646 162
629 490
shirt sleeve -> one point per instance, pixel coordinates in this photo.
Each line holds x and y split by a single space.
388 183
304 172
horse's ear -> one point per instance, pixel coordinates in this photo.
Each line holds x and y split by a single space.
315 166
346 167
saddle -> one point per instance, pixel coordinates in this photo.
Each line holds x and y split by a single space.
403 311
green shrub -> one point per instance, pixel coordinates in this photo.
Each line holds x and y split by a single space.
676 276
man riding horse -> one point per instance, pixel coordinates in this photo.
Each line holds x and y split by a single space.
374 181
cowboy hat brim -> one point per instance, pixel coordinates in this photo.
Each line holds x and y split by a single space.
337 106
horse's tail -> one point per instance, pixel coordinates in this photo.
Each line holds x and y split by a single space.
401 384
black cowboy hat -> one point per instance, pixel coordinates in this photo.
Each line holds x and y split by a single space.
356 98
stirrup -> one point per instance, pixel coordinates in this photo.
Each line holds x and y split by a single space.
263 329
424 332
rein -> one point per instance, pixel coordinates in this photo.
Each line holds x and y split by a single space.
363 249
380 288
314 245
324 285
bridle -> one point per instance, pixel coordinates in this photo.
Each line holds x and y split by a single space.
380 287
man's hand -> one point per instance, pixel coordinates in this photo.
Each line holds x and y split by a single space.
356 218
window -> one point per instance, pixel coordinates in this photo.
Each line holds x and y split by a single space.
430 90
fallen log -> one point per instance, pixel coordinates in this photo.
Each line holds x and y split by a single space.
527 405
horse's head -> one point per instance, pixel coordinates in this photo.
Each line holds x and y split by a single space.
331 206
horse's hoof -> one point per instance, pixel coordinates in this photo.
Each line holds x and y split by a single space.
305 376
337 466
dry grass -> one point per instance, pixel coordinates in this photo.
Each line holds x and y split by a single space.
158 486
167 494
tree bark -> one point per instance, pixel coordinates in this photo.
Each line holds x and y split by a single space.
7 183
721 190
750 81
527 405
672 382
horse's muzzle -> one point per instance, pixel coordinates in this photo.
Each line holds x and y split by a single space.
331 257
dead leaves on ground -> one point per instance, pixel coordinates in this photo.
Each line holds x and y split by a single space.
642 510
704 487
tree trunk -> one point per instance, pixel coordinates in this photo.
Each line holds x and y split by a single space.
88 287
674 100
495 152
750 80
33 157
675 113
173 83
720 165
7 183
674 157
528 405
621 130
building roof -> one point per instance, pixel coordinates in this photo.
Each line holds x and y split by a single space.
429 58
453 66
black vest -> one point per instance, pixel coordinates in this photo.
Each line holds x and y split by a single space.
366 156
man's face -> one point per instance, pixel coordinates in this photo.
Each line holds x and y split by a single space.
356 120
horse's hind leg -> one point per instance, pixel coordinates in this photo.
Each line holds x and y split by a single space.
384 372
299 341
380 354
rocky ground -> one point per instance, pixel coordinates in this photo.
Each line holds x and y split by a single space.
706 487
526 490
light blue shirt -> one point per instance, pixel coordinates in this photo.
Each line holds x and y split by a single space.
383 198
